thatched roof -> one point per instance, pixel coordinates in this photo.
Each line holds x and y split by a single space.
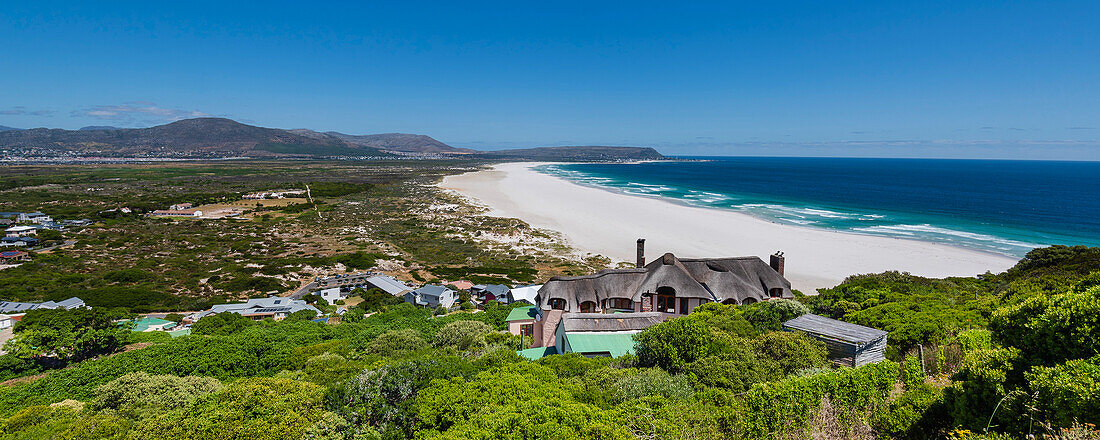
611 283
713 279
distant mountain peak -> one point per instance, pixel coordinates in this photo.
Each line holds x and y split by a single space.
403 142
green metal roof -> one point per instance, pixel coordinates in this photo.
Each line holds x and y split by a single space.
144 324
521 313
617 344
537 353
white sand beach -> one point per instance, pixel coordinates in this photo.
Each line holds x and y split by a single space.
609 223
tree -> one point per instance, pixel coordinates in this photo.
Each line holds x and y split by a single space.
68 335
300 316
220 324
354 314
174 317
375 299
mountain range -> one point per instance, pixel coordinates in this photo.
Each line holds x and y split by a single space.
220 137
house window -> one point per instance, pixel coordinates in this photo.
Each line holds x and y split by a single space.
776 292
620 303
588 307
557 304
527 330
683 306
666 299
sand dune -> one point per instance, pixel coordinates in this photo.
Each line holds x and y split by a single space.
608 223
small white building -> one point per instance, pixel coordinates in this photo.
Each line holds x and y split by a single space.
180 207
20 231
33 217
331 295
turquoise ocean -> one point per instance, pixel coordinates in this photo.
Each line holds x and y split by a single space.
1002 207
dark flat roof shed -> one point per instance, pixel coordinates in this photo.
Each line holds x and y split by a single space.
839 330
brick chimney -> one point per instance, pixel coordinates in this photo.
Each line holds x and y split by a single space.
641 252
777 262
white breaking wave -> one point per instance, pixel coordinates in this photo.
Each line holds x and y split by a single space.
926 228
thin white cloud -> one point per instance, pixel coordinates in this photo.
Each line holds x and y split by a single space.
23 111
137 112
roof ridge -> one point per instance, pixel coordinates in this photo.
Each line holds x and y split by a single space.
599 274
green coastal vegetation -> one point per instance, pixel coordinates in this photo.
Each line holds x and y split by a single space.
365 212
995 356
1012 354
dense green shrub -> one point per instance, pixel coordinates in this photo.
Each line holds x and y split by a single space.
790 351
382 399
651 382
221 324
772 409
1067 393
375 299
463 335
394 342
736 369
675 343
727 318
522 400
915 414
259 408
979 386
141 394
770 315
571 364
68 335
1051 329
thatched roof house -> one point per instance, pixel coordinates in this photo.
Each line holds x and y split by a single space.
669 285
666 284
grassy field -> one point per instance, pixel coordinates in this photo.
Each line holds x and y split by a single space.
384 215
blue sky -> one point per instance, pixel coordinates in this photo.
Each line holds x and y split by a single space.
1011 79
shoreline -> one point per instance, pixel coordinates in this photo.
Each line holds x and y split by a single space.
605 222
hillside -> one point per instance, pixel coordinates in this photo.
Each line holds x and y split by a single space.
4 128
193 137
409 143
576 153
220 137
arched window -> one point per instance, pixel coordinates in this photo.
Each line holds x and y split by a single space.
730 301
557 303
588 307
666 299
748 301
